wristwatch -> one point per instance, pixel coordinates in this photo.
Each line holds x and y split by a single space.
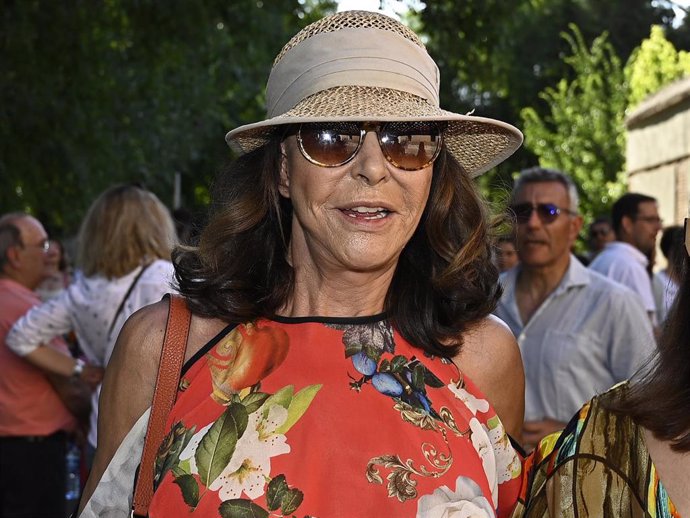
78 368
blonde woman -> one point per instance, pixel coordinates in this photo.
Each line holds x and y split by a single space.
124 264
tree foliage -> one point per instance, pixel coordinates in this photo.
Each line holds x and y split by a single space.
95 93
654 64
496 56
582 132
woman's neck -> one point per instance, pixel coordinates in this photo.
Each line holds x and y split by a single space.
337 293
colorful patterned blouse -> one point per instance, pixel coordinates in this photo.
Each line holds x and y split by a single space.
328 418
598 466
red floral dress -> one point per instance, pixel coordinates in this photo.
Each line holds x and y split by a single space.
330 417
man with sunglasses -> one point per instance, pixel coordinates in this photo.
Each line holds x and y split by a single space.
636 223
579 333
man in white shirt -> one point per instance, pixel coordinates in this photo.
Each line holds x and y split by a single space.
579 333
636 222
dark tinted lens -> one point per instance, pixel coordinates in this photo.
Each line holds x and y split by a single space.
547 212
330 144
410 145
522 212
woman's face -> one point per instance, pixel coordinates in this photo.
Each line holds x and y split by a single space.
356 217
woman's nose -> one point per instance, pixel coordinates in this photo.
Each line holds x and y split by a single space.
370 164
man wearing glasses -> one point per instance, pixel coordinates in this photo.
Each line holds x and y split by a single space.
636 223
33 416
579 333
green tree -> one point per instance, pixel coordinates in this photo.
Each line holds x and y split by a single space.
94 93
653 64
496 56
582 133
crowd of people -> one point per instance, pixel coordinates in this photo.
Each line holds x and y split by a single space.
360 342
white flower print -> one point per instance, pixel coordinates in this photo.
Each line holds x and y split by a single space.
472 403
467 501
482 444
508 464
250 464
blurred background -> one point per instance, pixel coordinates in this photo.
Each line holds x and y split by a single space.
95 93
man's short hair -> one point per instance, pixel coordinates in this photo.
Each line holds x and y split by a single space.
627 205
9 236
541 174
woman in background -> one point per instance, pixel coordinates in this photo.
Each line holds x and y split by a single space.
124 248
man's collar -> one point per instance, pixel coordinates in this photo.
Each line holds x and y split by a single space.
575 275
624 247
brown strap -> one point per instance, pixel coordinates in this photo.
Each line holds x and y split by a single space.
172 357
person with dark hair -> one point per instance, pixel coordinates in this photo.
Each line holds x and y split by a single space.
636 223
341 360
579 332
600 234
37 410
124 248
506 252
627 451
665 282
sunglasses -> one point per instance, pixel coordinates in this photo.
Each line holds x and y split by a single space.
407 145
546 212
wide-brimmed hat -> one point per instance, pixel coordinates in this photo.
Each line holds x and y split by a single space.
365 66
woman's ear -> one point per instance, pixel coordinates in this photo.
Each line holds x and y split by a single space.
284 183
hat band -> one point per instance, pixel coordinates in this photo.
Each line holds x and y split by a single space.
351 57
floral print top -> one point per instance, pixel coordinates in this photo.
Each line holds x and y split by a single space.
329 417
598 466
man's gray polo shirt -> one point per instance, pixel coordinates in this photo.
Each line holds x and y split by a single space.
588 335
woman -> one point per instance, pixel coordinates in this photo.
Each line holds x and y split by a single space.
124 249
627 452
346 264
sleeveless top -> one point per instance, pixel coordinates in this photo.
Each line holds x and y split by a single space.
329 417
598 465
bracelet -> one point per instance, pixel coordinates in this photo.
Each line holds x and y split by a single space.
78 368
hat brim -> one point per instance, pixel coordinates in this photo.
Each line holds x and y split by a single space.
477 143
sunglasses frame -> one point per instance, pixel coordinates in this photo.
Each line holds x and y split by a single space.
535 207
376 127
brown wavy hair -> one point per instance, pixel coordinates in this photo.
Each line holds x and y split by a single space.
659 395
444 282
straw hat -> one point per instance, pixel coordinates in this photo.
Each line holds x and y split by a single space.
365 66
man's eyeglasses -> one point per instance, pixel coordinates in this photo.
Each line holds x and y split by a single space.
546 212
43 245
407 145
650 219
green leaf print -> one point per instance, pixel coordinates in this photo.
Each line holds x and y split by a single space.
282 398
218 444
398 363
431 379
291 501
189 488
240 508
275 492
253 401
351 349
299 404
418 377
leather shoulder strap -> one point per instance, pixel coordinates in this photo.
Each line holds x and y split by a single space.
167 381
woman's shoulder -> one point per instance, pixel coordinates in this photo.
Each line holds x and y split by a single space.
612 447
490 357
